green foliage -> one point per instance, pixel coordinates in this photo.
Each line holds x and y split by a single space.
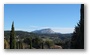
20 45
12 38
77 41
30 43
49 43
27 41
17 45
42 45
37 42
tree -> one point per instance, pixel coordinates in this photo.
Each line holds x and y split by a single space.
17 45
37 42
42 45
20 44
77 41
82 26
49 43
12 38
30 43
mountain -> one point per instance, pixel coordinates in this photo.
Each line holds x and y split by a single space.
44 31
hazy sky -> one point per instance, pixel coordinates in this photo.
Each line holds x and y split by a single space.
28 17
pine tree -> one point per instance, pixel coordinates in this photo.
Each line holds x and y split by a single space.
12 38
77 41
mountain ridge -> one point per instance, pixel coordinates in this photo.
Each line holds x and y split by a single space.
44 31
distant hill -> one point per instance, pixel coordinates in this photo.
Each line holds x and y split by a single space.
20 34
44 31
51 33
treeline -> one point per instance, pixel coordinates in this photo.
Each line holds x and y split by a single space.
28 40
77 41
34 41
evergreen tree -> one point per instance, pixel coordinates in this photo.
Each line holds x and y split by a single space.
42 44
77 41
12 38
37 42
17 45
30 43
82 26
49 43
20 44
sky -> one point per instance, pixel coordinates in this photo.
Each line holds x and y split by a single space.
29 17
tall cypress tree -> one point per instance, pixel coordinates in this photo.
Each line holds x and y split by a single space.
42 44
12 38
77 41
30 42
82 26
20 45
